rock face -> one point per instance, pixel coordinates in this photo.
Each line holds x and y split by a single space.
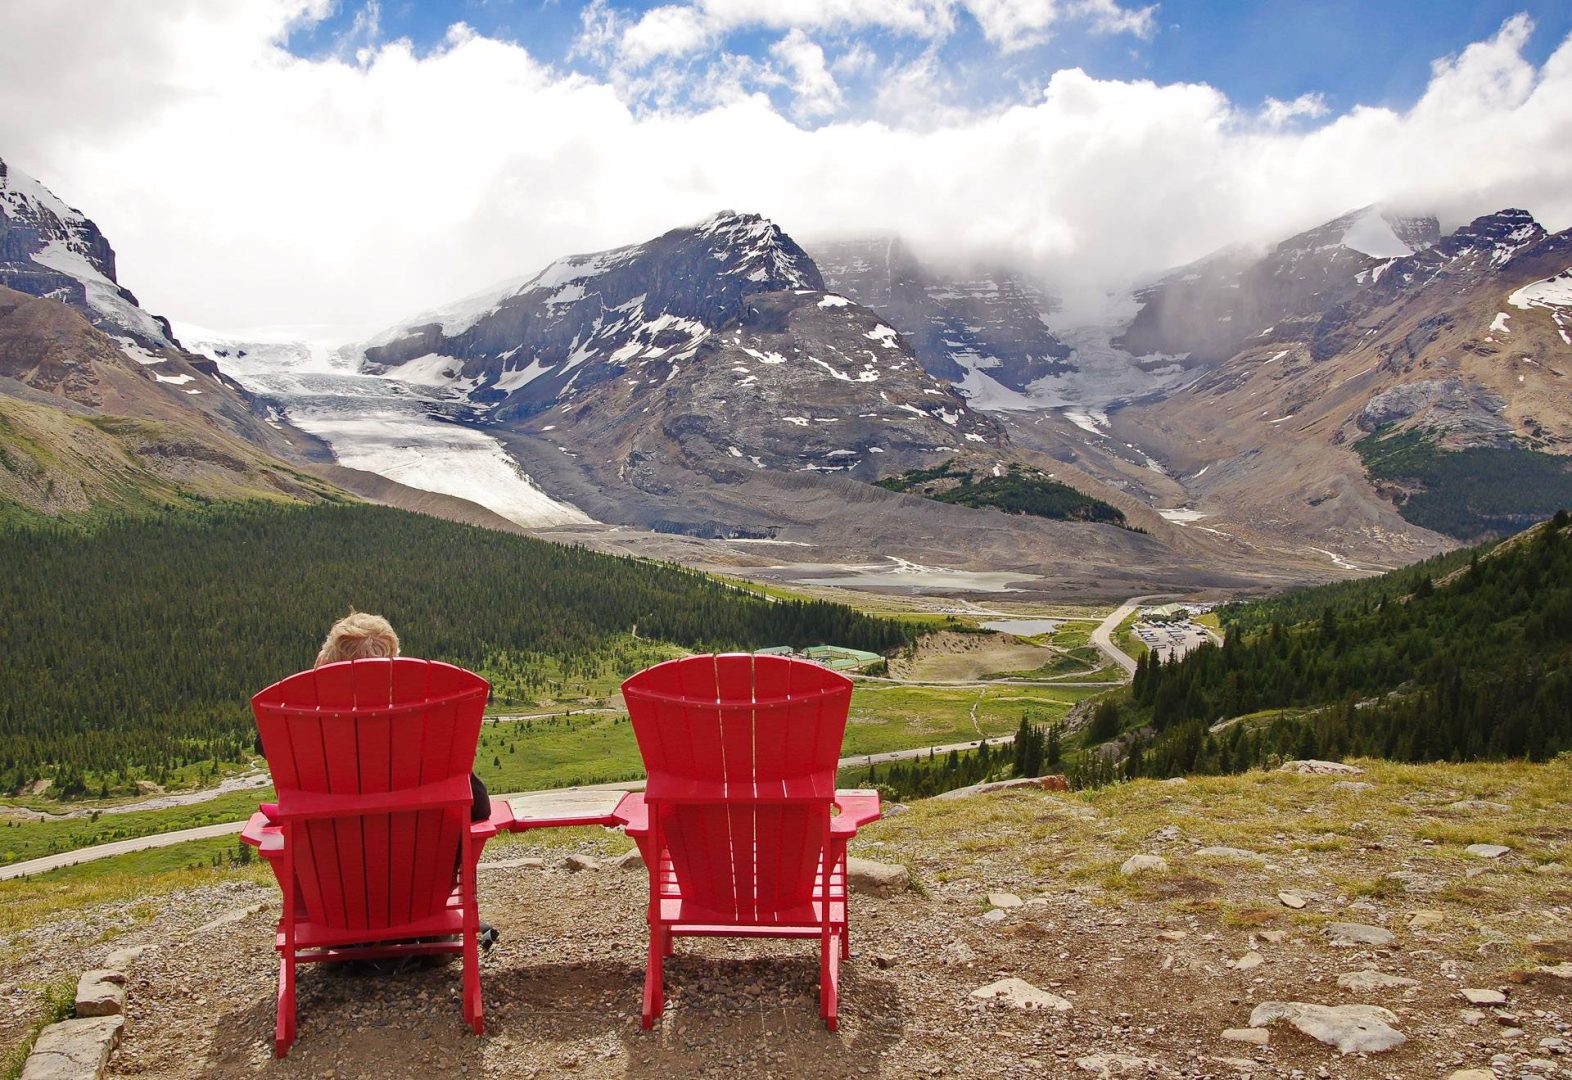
972 327
48 249
1353 1029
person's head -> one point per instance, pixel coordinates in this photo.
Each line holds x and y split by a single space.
358 636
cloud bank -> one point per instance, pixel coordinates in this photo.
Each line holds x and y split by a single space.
244 186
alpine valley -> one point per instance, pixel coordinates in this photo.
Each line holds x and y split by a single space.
725 397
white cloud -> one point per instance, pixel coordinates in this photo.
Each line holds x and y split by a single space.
817 93
1019 24
243 186
1276 113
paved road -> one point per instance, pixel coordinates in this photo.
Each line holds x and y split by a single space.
230 828
1102 637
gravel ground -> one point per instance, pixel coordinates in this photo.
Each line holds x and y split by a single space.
1155 966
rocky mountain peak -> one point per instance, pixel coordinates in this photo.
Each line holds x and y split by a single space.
49 249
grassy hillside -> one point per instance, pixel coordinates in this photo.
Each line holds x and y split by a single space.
132 648
1415 666
1019 491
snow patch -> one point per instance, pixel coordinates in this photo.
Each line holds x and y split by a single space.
830 300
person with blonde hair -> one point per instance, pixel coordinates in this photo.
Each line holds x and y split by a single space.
363 636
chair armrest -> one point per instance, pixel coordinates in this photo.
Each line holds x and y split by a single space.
261 832
633 814
501 818
858 808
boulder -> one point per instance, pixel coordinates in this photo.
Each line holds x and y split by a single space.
1248 962
124 958
1292 900
101 992
876 878
1353 1029
1320 768
1560 971
1350 934
1020 994
957 952
1483 997
1140 864
1004 900
1424 920
74 1049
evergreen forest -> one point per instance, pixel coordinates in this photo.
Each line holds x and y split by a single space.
132 647
1018 491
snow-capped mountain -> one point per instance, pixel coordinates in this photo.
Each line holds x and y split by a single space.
48 249
985 326
721 332
1213 307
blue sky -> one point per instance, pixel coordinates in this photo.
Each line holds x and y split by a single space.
1349 52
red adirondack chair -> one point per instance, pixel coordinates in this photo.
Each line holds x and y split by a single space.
371 839
738 821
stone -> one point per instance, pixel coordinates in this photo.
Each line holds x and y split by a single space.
1477 804
628 860
1231 853
1056 783
1167 832
1487 851
1254 1036
1274 936
957 952
1475 996
1104 1066
877 879
993 915
576 862
1140 864
529 863
124 959
1560 971
1020 994
1471 1017
1176 781
74 1049
101 992
1292 900
1004 900
1173 935
1353 1029
1424 920
1353 787
1350 934
1310 767
1248 962
883 961
1369 980
1473 1074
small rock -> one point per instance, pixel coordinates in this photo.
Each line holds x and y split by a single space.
1274 936
1487 851
993 915
1172 935
1248 962
1321 768
1473 1074
1110 1065
124 959
1231 853
1139 864
1423 920
74 1049
1353 934
628 860
1176 781
877 879
1560 971
1004 900
1254 1036
1483 997
883 961
1471 1017
1167 832
1352 786
1476 804
576 862
957 952
1020 994
1353 1029
1293 900
229 918
1370 980
100 992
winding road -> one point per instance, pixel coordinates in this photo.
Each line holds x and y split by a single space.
1102 637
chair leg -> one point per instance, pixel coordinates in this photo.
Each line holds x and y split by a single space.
829 982
654 977
284 1028
473 1009
670 940
845 943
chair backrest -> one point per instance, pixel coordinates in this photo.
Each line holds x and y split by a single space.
741 753
364 727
